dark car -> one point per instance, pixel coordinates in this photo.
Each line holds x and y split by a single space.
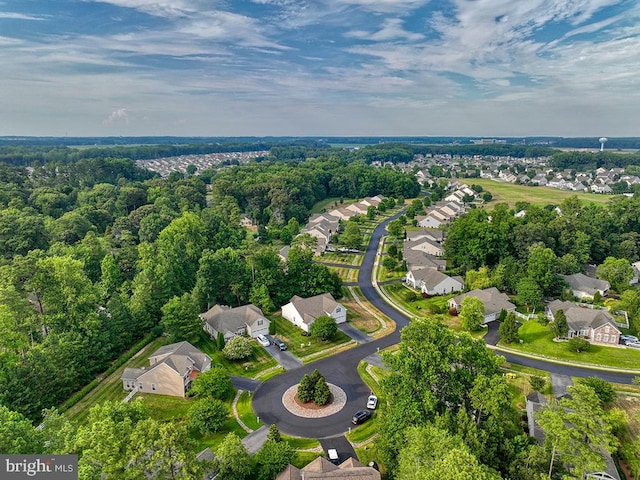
360 416
279 343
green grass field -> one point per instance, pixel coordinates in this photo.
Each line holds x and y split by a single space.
343 258
346 274
538 339
249 367
245 411
301 345
511 193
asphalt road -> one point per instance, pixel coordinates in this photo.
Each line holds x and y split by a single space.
340 369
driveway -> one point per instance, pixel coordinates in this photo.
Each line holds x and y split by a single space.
285 358
341 444
357 335
492 337
246 384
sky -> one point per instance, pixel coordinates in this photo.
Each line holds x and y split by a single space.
320 67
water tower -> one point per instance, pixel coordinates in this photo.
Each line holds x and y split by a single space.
602 141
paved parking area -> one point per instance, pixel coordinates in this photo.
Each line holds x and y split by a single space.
341 444
285 358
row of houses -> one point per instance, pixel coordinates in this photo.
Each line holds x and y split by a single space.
323 226
173 367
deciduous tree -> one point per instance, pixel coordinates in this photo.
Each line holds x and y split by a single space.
324 327
472 313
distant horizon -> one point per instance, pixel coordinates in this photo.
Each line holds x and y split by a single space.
303 68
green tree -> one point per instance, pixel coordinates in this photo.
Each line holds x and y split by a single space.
478 279
352 236
560 325
220 342
542 265
111 276
537 383
274 434
232 461
618 272
17 435
389 263
603 389
180 319
576 429
508 329
306 389
396 229
260 297
322 394
324 327
472 313
371 212
214 383
529 292
237 348
207 415
272 458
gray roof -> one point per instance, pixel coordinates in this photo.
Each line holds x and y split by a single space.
223 318
493 299
430 276
417 259
321 468
581 317
314 307
182 357
582 283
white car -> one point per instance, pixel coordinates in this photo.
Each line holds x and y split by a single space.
262 340
334 458
629 338
633 344
372 402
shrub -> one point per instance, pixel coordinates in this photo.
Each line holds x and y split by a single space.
410 296
272 327
306 389
220 341
453 312
237 348
604 390
537 383
577 344
214 383
324 327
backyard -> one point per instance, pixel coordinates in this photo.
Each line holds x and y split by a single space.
537 339
251 367
300 344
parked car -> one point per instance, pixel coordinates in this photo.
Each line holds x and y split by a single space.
633 344
264 341
629 338
334 458
372 402
279 343
361 416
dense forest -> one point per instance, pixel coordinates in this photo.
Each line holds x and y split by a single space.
93 249
585 161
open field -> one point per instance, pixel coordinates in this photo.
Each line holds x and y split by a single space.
538 340
511 193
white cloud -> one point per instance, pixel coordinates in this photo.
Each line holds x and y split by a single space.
19 16
117 116
391 29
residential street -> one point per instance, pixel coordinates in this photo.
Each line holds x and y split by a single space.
340 369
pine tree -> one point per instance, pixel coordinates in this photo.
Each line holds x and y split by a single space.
306 389
322 392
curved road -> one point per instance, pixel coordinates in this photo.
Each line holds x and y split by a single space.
340 369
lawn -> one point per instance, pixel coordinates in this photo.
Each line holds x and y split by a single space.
342 258
300 443
346 274
111 387
245 411
358 316
538 339
368 429
511 193
167 407
329 204
250 367
369 453
301 345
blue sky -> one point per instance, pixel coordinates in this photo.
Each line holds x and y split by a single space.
320 67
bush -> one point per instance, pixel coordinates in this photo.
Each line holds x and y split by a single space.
577 344
207 415
306 389
604 390
537 383
453 312
237 348
314 388
220 341
410 296
272 327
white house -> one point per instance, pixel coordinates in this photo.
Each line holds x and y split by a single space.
433 282
493 300
302 312
431 221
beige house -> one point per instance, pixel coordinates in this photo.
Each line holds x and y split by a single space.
322 468
432 282
493 299
244 320
592 323
583 286
171 370
302 312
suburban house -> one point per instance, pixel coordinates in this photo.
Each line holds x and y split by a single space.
416 259
595 324
494 302
244 320
321 468
302 312
425 245
170 372
432 234
431 220
586 287
432 282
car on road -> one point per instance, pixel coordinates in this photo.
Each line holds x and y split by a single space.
361 416
334 458
633 344
264 341
279 343
628 338
372 402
